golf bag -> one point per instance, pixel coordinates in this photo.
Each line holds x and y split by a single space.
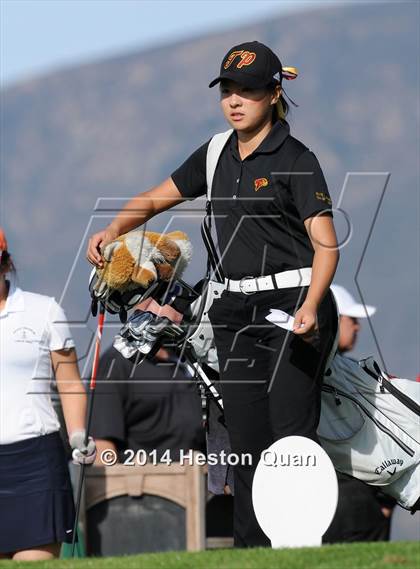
370 427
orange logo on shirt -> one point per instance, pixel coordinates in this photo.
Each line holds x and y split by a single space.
247 57
260 183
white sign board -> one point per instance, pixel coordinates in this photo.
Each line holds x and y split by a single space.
295 492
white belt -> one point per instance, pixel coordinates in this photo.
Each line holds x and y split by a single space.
284 279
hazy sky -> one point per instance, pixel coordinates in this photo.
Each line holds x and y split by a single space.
40 35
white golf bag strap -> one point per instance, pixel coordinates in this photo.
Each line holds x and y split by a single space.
214 150
202 338
216 145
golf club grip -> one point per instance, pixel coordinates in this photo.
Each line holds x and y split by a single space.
101 320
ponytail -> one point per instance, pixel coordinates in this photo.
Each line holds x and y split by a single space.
280 110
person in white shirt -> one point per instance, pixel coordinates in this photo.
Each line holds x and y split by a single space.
36 499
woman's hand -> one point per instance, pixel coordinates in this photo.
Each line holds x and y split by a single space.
134 214
306 323
97 243
82 453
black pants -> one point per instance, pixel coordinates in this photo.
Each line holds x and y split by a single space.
270 381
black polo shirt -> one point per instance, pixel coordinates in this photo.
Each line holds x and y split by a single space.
261 202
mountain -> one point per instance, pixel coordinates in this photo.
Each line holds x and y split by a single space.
94 135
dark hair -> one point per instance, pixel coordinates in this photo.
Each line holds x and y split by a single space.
7 264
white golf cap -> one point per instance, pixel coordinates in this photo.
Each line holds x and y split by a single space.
347 306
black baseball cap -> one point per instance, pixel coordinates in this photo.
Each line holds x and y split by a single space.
251 64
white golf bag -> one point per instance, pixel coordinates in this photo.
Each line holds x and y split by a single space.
370 427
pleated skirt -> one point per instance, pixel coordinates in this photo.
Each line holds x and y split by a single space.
36 498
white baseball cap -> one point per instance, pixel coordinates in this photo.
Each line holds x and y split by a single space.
347 306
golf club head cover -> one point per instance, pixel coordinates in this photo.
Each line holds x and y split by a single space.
140 258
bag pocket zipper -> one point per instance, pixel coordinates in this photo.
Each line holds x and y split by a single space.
337 393
384 383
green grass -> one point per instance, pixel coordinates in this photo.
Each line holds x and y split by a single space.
347 556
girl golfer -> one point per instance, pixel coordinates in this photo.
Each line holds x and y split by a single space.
36 500
276 235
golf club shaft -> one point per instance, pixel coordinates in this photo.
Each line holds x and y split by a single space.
92 385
